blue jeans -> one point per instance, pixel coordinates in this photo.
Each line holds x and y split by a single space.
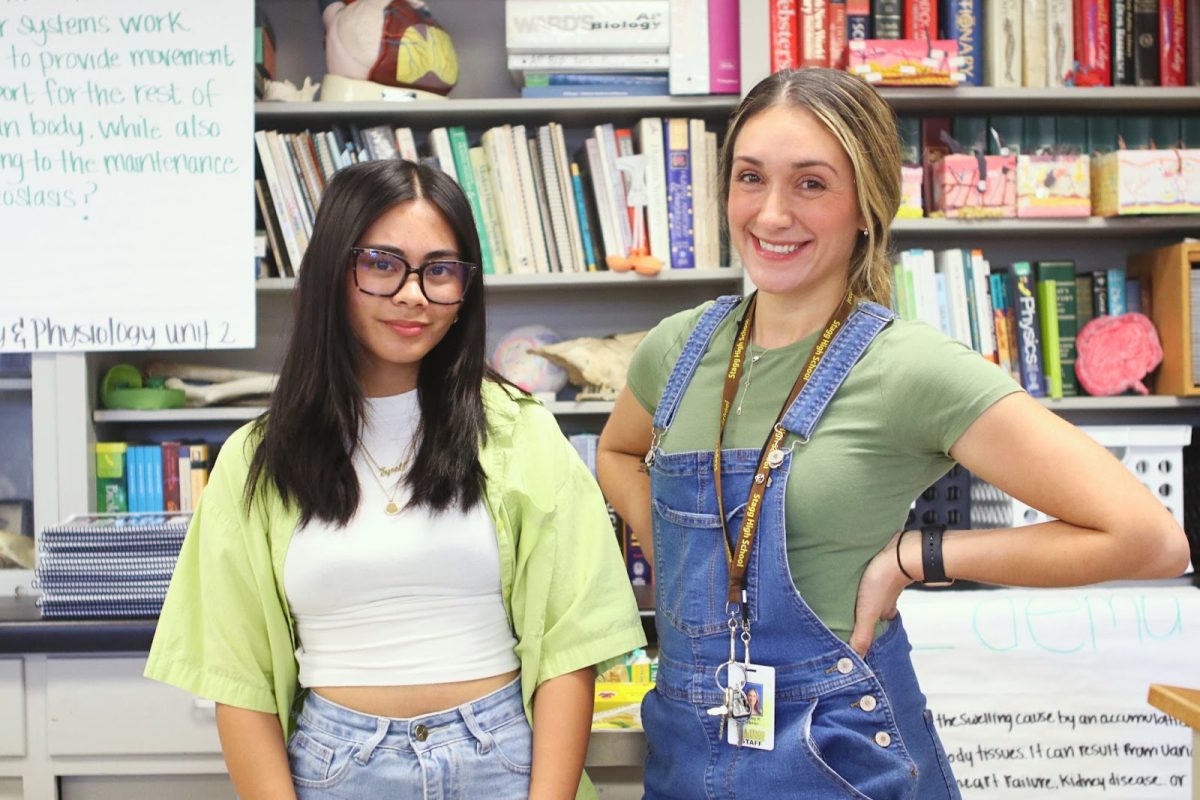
479 749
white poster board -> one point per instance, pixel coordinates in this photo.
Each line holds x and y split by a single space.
126 175
1043 692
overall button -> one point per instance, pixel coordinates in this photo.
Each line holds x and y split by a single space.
867 703
845 665
421 733
883 738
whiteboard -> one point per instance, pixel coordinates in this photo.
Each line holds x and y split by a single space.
1044 691
126 175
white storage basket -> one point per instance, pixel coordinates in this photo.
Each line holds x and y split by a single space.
1153 453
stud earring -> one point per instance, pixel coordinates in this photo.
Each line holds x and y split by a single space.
863 231
455 319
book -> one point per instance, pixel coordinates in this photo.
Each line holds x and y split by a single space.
1145 42
1116 291
1062 275
580 26
527 197
460 150
689 47
814 33
858 20
887 19
1060 43
599 90
964 25
1002 43
921 20
585 228
1172 41
541 190
649 135
110 477
1093 42
1029 340
562 169
1033 53
443 152
1122 42
784 46
724 47
481 173
679 194
1100 293
839 34
1047 309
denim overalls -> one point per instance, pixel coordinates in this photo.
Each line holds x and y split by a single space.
845 727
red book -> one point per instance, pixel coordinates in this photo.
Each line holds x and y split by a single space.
1172 42
920 20
1093 38
170 471
784 51
837 34
814 33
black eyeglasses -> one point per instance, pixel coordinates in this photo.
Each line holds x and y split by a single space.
380 273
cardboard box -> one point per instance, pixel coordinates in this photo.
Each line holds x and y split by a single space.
912 181
1146 182
959 190
905 62
1054 186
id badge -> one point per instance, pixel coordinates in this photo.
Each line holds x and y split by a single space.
758 730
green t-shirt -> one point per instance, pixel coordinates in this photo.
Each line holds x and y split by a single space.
883 439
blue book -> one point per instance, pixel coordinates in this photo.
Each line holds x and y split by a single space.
137 488
1116 291
964 24
1133 296
679 193
596 90
584 78
585 230
154 476
1029 339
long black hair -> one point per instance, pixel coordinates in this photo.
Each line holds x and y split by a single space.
311 429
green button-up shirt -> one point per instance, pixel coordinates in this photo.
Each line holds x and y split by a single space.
226 633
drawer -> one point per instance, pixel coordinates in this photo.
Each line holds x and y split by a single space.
103 706
12 707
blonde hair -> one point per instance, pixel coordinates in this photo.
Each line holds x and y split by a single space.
865 125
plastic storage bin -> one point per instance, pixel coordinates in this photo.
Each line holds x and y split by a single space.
1153 453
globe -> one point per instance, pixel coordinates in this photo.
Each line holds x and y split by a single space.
512 359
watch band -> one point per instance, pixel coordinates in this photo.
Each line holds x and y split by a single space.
931 557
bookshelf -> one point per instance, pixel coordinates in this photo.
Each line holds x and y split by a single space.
66 421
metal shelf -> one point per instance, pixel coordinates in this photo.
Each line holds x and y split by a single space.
16 384
491 111
558 280
994 100
1150 402
1083 226
216 414
568 408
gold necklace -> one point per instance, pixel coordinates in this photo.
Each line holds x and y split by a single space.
391 509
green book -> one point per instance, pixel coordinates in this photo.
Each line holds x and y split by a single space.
1066 309
1071 131
1047 307
1039 132
1011 130
1101 134
466 179
111 492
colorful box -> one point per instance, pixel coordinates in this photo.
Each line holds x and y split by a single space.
905 62
1146 182
974 186
1054 186
912 181
615 695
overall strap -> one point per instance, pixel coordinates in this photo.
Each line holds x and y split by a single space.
848 346
685 366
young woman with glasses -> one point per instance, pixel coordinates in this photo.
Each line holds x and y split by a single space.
404 551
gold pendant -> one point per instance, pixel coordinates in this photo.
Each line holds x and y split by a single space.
392 509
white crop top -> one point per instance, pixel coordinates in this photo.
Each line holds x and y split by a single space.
407 599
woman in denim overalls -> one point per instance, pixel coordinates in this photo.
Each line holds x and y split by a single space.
810 177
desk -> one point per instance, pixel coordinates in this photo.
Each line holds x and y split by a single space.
1183 705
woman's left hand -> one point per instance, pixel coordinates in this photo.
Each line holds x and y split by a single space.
878 591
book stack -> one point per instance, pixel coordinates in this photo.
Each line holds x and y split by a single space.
574 48
1005 43
538 206
108 565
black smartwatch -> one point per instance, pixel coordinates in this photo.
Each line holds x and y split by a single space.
931 557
